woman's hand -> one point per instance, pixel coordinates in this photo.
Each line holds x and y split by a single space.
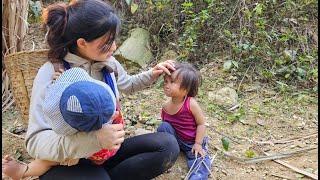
163 67
111 136
57 74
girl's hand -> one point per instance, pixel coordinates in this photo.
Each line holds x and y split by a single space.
197 149
165 67
57 74
110 136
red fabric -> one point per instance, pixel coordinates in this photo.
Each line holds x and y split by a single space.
104 154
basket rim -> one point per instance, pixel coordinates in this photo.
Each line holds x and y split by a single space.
29 51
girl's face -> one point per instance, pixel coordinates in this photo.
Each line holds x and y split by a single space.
171 86
96 50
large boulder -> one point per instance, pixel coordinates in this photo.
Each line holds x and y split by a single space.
135 51
226 97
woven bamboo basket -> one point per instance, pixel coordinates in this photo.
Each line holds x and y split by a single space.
22 68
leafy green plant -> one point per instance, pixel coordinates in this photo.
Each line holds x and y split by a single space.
277 39
225 143
250 153
236 116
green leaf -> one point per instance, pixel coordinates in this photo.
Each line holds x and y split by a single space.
225 143
258 9
134 7
249 153
301 72
227 65
287 76
227 33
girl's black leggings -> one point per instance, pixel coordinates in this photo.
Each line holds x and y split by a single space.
140 157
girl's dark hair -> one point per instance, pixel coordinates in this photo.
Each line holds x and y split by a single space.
190 77
87 19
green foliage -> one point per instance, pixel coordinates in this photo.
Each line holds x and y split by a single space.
278 39
225 143
35 10
236 116
250 153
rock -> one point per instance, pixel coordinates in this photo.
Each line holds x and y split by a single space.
252 87
226 97
141 131
301 144
150 128
232 78
142 120
130 130
169 55
261 122
135 51
128 122
153 122
290 54
300 123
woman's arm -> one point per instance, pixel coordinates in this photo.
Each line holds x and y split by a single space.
132 83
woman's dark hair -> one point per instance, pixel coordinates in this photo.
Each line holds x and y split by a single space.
87 19
190 77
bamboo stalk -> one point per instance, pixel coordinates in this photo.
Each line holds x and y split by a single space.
14 29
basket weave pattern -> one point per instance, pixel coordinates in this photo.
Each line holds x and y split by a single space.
22 68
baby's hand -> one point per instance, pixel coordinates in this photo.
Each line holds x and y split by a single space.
115 115
197 149
57 74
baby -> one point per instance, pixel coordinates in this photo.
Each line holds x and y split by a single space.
74 102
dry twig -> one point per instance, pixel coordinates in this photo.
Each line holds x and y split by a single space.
278 155
264 158
281 176
10 133
313 176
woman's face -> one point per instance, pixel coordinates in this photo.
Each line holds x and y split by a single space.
96 50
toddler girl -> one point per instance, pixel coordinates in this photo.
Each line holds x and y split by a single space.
183 118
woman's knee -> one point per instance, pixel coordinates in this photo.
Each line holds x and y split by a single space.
170 144
171 150
166 127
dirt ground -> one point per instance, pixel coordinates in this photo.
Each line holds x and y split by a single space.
270 121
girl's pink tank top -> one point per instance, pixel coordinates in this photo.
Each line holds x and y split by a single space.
183 122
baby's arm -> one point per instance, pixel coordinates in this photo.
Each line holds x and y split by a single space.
201 128
17 170
38 167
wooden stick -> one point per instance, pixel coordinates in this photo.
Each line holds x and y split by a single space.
265 158
243 78
313 176
10 133
294 139
234 107
7 106
279 155
281 176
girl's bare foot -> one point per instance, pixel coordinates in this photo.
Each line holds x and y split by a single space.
13 168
